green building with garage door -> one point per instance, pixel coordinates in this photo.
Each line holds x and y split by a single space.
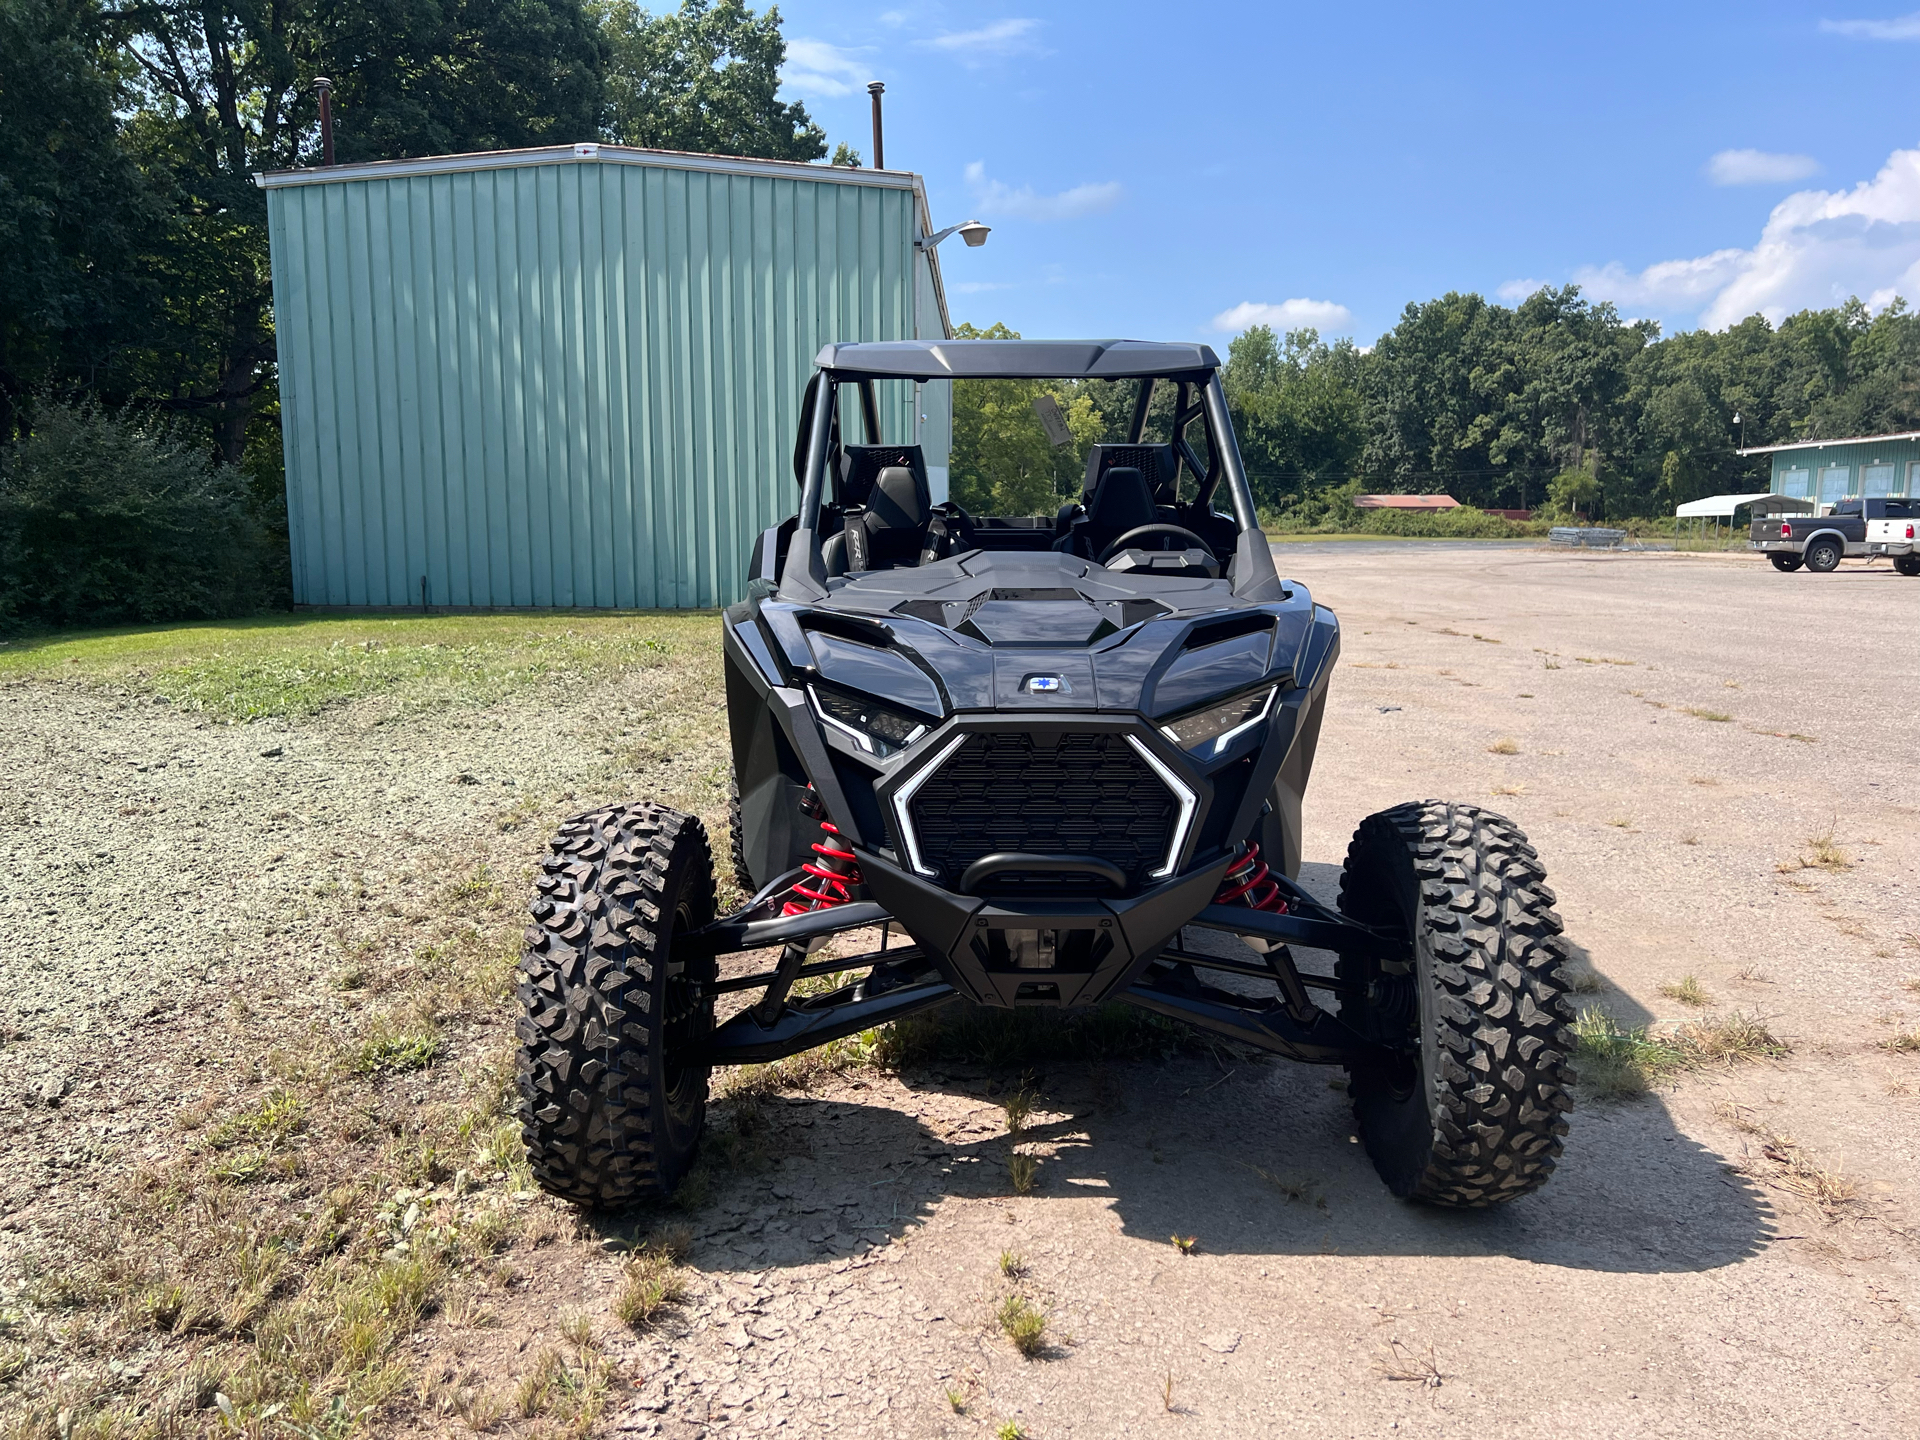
571 376
1829 471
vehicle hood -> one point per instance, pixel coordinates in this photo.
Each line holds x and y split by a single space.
975 632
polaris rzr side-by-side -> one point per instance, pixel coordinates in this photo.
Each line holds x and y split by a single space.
1044 752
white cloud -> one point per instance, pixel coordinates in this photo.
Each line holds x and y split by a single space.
994 197
1323 315
1514 291
979 287
894 18
1902 27
1758 167
1818 248
816 68
1003 37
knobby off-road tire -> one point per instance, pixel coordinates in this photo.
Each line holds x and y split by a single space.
1784 562
1475 1117
737 837
610 1107
1823 556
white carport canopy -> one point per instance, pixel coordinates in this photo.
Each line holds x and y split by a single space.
1721 507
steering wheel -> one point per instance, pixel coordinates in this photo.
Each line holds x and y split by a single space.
1125 542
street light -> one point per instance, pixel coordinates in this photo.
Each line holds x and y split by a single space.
1743 429
973 232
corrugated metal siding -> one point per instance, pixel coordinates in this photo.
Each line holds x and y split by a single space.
1903 455
562 384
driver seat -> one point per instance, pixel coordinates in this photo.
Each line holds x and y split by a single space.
1120 502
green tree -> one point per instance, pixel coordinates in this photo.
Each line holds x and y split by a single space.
1298 408
76 215
704 79
1002 461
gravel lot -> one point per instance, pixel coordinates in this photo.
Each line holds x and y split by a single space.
1677 1277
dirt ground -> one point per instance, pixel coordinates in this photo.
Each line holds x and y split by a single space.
1716 763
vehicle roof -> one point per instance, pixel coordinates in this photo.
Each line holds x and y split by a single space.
1015 359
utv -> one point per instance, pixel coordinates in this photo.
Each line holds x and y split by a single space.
1044 752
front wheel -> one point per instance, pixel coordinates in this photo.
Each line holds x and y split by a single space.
1470 1114
1823 556
1907 564
1784 562
613 1095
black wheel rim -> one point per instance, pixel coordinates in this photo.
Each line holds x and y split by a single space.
686 1018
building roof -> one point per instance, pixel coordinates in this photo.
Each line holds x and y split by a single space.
1405 502
1015 359
1820 444
1723 506
586 152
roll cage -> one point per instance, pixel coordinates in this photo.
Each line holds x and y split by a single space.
1198 396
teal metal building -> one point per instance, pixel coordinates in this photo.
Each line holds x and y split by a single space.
1829 471
571 376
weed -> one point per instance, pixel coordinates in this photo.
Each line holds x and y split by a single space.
1615 1062
1024 1324
1013 1264
1702 780
1582 979
1824 854
1022 1171
1184 1243
1505 745
1397 1361
1601 660
396 1044
1913 985
1790 1168
1510 789
1621 822
650 1284
1688 991
1019 1108
956 1400
1751 975
1009 1430
1301 1189
1717 716
1907 1042
1166 1394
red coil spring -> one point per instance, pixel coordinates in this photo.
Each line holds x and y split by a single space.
834 874
1249 881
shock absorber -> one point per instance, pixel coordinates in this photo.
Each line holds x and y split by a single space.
834 871
1249 882
828 880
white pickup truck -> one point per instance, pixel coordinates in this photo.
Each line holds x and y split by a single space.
1891 532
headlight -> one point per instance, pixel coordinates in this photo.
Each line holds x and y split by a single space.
1207 733
875 728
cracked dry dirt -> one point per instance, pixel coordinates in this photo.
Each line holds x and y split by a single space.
1678 1276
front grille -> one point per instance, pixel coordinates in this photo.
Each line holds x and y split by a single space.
1043 794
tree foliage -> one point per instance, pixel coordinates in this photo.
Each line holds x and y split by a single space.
1002 461
703 79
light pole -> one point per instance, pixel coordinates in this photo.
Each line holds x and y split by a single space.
1743 429
973 232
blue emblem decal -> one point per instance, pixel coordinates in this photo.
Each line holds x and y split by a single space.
1046 685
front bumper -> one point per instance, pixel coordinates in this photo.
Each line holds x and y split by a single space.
1039 952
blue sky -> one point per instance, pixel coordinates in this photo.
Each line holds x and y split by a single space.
1177 170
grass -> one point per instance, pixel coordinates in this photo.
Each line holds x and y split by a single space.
1906 1042
296 665
651 1283
1022 1170
1785 1164
1024 1323
1617 1063
1717 716
1822 852
1013 1264
1505 745
1184 1243
1688 991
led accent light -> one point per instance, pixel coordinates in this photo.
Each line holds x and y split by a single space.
1189 802
904 795
890 728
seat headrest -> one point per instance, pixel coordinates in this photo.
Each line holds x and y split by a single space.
1121 501
901 500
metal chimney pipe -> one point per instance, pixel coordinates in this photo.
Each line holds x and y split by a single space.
876 90
323 87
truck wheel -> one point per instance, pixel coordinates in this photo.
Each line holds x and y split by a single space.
1907 564
1473 1115
612 1101
1784 562
1823 556
737 837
